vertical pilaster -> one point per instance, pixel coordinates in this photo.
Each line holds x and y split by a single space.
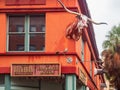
7 82
70 82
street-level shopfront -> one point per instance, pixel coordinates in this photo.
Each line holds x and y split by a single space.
41 77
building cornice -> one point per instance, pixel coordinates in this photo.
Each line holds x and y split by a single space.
35 10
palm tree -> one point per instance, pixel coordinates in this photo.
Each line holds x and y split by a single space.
111 54
113 38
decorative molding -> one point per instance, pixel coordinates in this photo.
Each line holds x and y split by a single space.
25 2
34 10
64 70
35 54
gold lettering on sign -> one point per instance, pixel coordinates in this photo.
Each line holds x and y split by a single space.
35 70
23 70
47 69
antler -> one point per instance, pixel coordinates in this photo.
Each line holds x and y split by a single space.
79 14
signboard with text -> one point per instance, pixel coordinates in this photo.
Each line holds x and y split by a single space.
35 70
82 77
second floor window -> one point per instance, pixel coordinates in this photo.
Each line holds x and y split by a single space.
26 33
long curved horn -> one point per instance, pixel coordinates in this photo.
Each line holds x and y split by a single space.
89 19
79 14
76 13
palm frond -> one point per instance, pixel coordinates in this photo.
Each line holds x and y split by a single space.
113 38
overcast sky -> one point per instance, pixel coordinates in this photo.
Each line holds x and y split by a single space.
107 11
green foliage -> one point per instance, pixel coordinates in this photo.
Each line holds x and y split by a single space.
113 38
112 56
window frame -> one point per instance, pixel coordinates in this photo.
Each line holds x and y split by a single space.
26 32
82 50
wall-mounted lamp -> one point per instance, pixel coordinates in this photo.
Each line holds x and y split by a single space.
99 71
103 85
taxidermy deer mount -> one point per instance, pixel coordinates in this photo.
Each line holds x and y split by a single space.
74 30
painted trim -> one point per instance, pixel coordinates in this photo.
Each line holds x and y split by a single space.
68 70
27 36
91 85
64 70
24 2
74 82
35 53
70 82
35 10
4 70
7 82
7 35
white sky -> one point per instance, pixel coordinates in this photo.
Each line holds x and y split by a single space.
104 11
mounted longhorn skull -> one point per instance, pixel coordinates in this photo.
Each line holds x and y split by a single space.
74 30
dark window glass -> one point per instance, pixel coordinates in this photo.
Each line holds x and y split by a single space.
16 23
15 40
35 38
2 79
37 24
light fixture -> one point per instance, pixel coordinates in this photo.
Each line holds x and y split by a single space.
99 71
103 85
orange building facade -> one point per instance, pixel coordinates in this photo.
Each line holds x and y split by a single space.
35 53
